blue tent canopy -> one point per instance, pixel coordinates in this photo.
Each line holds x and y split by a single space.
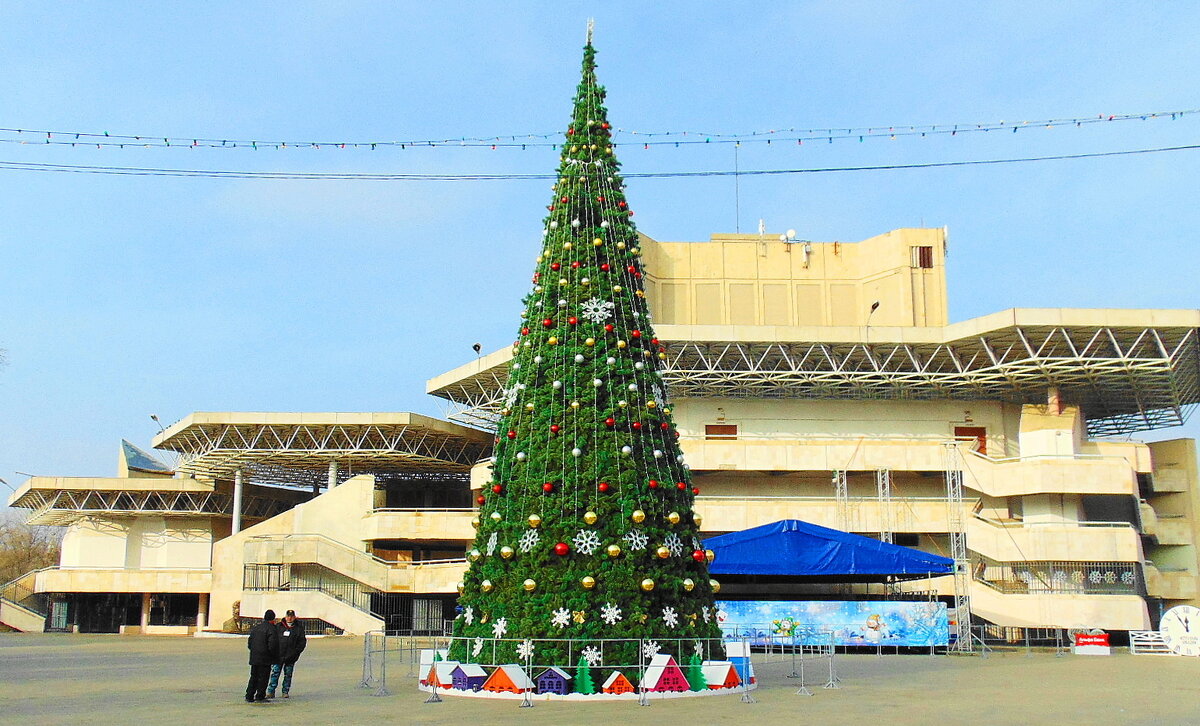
796 548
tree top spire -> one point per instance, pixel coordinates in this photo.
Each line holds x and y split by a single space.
591 26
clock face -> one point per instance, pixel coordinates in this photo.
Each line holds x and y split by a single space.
1180 628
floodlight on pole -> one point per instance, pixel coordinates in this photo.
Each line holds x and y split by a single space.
154 418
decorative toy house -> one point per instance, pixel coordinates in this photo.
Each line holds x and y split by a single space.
441 674
739 655
428 656
554 680
617 683
509 678
469 677
720 674
664 674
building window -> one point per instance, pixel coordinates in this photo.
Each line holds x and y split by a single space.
922 257
906 539
720 431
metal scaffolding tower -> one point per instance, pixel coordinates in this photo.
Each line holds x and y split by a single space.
883 489
958 546
841 495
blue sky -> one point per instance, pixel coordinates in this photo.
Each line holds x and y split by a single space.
126 296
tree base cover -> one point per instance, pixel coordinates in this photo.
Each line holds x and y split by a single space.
631 696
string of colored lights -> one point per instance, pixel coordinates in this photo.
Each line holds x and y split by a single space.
538 140
350 176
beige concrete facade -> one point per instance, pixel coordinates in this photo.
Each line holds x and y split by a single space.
1063 526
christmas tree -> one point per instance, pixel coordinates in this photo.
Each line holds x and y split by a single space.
587 529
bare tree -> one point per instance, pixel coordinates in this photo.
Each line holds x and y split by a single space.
25 547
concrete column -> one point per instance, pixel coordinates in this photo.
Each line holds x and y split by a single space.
202 612
333 472
145 611
237 501
1054 399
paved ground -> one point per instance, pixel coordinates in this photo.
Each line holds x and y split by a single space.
114 680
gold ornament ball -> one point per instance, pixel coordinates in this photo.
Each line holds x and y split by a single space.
650 404
574 404
666 410
529 407
663 553
689 584
620 245
590 517
460 586
534 520
638 516
697 519
621 344
475 522
662 356
647 584
710 555
496 517
486 586
613 550
474 555
597 241
589 342
617 288
552 341
636 250
566 245
506 552
673 517
529 585
588 582
716 586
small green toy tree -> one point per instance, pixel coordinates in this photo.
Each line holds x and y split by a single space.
695 673
583 678
586 530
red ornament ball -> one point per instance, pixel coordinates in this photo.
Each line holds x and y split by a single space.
563 548
548 487
654 484
698 556
600 198
524 331
609 328
555 428
512 434
636 333
637 425
497 489
605 267
479 499
555 266
631 268
680 485
548 323
610 422
575 264
570 132
573 320
696 490
603 486
654 341
563 200
622 204
664 425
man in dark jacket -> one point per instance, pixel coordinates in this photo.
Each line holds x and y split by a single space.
291 645
264 653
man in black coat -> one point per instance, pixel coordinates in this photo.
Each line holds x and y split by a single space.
264 653
291 644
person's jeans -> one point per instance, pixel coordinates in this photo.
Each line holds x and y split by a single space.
287 677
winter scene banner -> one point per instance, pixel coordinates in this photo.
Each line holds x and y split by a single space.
870 622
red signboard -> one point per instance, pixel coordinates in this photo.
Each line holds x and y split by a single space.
1085 639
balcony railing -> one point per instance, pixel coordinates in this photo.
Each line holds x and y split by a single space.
1061 578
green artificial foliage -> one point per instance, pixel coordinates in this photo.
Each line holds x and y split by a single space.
587 430
583 678
695 674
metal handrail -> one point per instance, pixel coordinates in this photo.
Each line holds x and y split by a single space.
1064 524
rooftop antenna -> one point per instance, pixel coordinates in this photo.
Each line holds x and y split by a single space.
590 27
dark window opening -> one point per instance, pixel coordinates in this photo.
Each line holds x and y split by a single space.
720 431
922 257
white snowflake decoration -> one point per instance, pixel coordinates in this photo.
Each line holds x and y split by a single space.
529 540
706 613
525 649
610 613
597 310
674 544
697 544
636 539
586 541
560 618
510 395
592 655
650 649
477 648
499 628
670 617
660 396
469 615
491 544
699 648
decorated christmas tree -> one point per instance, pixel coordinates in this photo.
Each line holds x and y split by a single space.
587 530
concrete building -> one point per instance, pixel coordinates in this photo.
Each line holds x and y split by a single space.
816 381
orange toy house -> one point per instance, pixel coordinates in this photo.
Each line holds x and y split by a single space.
508 679
617 683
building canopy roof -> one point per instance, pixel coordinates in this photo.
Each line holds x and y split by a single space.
799 549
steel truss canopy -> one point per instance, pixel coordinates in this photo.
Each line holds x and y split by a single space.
297 448
1129 370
